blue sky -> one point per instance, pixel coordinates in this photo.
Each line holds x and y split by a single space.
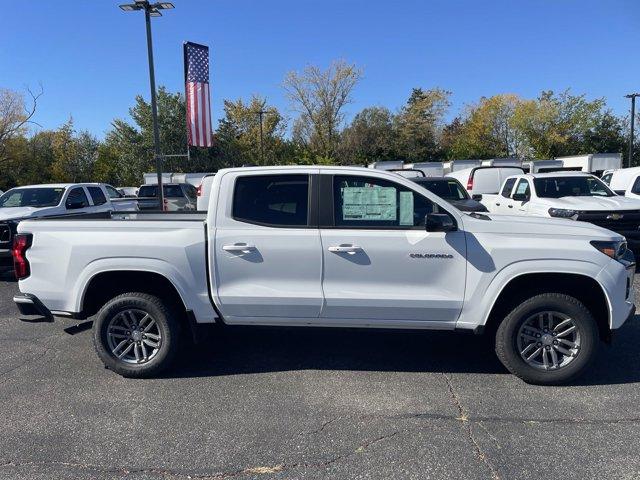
90 57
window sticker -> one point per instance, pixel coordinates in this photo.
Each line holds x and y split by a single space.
406 208
369 203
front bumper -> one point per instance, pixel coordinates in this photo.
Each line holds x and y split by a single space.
29 304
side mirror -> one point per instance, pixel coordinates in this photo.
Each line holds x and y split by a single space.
438 222
520 197
75 204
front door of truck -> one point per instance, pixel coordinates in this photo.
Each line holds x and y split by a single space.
268 257
381 267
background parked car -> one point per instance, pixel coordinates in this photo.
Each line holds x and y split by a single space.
128 191
177 197
572 195
120 201
203 192
624 181
482 180
452 191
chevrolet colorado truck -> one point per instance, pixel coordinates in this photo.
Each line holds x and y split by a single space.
573 195
329 247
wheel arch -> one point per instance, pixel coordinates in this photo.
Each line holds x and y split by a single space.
584 288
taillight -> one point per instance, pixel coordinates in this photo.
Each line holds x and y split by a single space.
470 182
21 244
199 190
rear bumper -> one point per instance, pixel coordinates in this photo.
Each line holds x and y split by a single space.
30 305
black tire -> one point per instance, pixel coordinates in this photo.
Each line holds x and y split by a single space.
508 331
167 327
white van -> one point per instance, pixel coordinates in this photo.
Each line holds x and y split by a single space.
480 180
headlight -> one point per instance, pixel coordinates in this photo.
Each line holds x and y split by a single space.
562 213
613 249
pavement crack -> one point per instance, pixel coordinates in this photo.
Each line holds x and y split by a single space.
463 417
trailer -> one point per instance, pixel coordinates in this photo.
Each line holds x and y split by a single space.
502 162
387 165
453 165
542 166
430 169
595 163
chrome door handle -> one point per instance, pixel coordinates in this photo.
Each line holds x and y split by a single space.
344 249
238 247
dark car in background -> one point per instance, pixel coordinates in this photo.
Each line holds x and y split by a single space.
177 197
452 191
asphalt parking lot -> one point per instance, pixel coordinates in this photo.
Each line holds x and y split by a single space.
286 403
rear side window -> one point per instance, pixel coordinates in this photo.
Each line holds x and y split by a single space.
508 186
170 191
78 198
191 192
97 196
367 202
636 186
272 200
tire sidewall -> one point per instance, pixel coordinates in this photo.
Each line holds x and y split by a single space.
507 338
154 307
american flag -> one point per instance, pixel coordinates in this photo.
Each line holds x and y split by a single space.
196 72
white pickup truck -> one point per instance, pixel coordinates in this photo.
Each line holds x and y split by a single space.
34 201
572 195
329 247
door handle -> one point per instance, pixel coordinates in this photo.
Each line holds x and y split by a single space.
238 247
510 206
351 249
497 204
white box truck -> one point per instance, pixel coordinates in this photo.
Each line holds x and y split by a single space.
387 165
430 169
542 166
595 163
502 162
454 165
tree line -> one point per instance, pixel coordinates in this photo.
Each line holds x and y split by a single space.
506 125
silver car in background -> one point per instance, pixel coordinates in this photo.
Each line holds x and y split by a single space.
177 197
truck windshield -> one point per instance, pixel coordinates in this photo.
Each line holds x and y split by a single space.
449 189
31 197
558 187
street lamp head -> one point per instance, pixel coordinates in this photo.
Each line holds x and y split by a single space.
632 95
154 13
164 6
130 7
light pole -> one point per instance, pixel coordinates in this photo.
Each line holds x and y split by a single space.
632 96
261 113
152 10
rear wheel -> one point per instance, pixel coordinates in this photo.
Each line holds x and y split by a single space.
136 335
549 339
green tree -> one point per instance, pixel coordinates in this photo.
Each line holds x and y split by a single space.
238 133
369 137
419 124
554 125
319 96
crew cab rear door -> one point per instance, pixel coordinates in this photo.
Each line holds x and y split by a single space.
267 256
381 267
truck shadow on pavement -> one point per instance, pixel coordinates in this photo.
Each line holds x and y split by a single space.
242 350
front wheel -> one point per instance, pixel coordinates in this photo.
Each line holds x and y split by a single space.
549 339
136 335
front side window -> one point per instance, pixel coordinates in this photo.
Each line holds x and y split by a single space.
508 186
112 192
77 198
558 187
272 200
97 196
523 188
636 186
367 202
607 178
32 197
